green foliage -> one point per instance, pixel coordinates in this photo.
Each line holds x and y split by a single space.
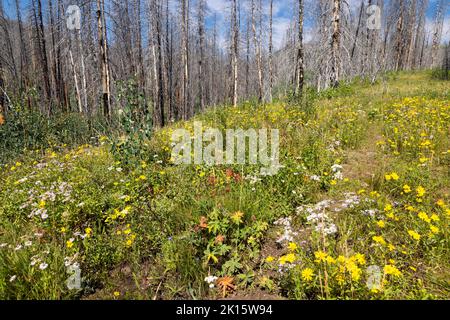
25 131
440 74
135 125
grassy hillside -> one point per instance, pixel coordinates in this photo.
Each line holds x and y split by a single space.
359 210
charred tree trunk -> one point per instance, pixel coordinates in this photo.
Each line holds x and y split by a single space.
235 43
201 58
103 57
43 55
335 44
271 51
257 45
300 52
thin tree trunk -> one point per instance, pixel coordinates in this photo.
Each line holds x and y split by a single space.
185 63
271 51
39 24
361 10
75 78
83 73
201 36
23 53
335 44
258 54
235 52
247 65
300 54
103 58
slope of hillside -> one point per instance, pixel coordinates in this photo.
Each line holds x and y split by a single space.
359 209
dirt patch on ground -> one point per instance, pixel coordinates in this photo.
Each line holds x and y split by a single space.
255 294
363 163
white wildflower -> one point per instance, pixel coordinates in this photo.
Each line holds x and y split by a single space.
43 266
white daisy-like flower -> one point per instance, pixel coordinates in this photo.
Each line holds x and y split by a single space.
338 176
336 168
28 243
210 280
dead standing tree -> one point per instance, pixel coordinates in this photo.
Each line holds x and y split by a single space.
201 54
257 44
271 51
103 57
437 31
299 67
336 44
235 51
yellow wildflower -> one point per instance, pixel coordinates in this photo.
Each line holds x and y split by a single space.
434 229
420 191
237 217
360 258
435 217
392 270
330 260
374 194
379 239
423 216
69 244
414 235
440 203
289 258
88 232
381 224
320 256
307 274
406 189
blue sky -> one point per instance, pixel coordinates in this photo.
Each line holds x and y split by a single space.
283 14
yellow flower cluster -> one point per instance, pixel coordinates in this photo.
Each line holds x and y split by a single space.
416 127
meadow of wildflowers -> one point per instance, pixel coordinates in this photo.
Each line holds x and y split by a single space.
360 208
